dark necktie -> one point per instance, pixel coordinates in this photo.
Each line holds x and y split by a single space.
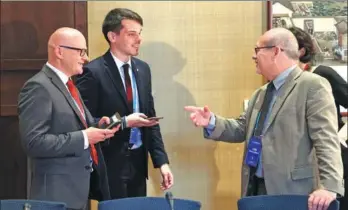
128 85
74 93
264 109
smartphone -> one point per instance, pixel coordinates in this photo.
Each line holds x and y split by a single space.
155 118
113 124
115 120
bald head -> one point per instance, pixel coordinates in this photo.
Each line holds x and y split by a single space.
64 36
284 39
67 50
276 51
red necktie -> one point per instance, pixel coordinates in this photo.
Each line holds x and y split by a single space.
74 93
128 85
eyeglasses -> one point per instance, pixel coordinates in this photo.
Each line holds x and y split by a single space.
257 49
83 52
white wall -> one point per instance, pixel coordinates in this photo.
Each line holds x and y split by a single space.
342 70
320 24
278 8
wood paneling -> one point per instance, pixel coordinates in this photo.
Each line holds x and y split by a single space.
12 161
24 32
25 29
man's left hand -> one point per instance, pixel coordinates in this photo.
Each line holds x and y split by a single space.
320 199
167 177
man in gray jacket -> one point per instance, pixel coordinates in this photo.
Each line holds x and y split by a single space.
56 128
289 128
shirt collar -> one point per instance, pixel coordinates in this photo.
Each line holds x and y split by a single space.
280 80
120 63
59 73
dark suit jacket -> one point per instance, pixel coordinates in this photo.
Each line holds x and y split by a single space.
103 92
339 88
51 134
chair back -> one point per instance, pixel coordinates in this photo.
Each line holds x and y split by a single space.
31 205
278 202
148 203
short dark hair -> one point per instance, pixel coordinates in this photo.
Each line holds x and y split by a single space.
304 41
113 19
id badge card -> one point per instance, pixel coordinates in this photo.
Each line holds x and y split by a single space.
253 151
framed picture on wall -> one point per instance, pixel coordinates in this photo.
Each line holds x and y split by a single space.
325 21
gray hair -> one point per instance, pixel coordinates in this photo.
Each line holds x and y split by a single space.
285 40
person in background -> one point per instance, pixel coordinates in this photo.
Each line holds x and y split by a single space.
339 90
338 84
119 82
290 128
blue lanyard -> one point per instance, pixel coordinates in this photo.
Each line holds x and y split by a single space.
257 123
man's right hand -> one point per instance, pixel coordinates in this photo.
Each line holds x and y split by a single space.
96 135
200 116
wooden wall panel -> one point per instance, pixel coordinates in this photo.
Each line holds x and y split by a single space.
25 29
11 82
12 161
24 32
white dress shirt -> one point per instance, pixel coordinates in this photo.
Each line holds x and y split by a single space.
119 65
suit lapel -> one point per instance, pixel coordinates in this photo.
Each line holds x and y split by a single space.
283 93
138 80
63 89
115 77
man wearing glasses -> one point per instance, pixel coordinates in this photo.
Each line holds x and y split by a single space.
289 128
57 131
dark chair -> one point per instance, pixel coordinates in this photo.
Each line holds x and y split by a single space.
278 202
31 205
148 203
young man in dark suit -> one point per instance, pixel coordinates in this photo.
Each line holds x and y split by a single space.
118 82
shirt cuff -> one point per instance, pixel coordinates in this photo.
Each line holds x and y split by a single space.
86 142
333 194
123 123
211 125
